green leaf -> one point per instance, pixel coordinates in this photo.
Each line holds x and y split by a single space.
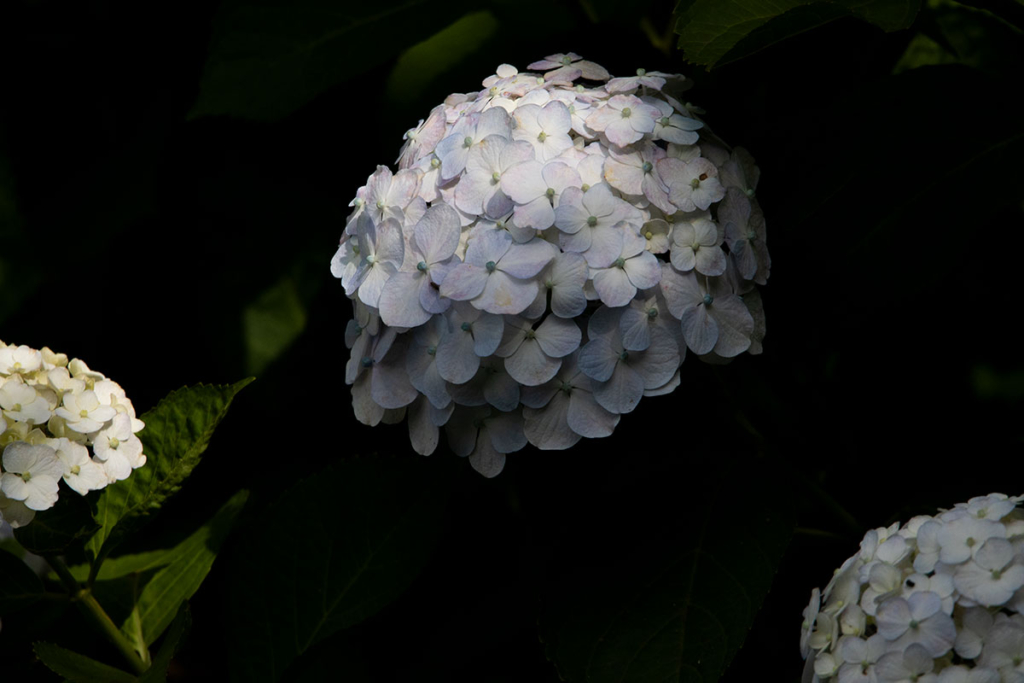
79 668
1009 11
332 551
952 33
19 585
680 608
422 63
123 565
720 31
157 672
190 562
272 323
54 530
267 58
177 432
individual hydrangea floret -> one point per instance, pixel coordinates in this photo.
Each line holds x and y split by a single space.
60 421
937 600
544 255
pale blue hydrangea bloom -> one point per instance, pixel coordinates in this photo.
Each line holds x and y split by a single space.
955 617
547 252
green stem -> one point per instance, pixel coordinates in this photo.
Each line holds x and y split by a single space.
92 609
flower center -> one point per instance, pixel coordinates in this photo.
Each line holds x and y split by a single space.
695 183
467 141
431 350
708 299
624 355
495 177
114 443
542 136
592 221
620 262
435 162
550 192
371 259
380 204
649 235
566 387
567 60
641 72
421 266
997 574
663 121
466 327
913 624
75 469
366 361
530 334
26 476
652 313
585 187
83 413
626 112
970 542
647 167
490 266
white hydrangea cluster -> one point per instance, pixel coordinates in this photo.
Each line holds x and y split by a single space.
546 253
61 420
938 600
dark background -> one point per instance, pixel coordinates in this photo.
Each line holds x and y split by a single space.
158 248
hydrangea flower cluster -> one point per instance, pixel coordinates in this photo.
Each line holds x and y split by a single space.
547 251
61 421
938 600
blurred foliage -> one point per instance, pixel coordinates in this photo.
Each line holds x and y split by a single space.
950 33
330 552
679 608
269 57
272 323
721 31
422 63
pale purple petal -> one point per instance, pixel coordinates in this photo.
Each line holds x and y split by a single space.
735 325
506 295
558 337
487 334
622 392
613 286
699 329
423 433
598 359
530 366
463 282
547 428
437 233
526 260
399 301
456 361
644 270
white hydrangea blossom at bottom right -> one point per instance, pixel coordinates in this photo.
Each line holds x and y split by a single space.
937 600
